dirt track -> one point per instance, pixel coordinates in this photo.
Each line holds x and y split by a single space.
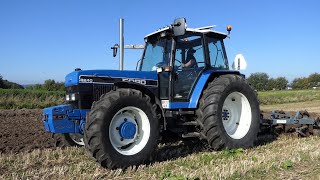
22 131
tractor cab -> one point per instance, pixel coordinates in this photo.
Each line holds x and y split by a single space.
181 60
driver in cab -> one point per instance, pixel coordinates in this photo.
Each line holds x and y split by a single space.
190 60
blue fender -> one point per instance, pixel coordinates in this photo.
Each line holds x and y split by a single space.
198 89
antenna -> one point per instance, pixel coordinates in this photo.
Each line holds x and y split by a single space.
206 27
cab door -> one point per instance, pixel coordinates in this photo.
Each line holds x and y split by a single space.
189 63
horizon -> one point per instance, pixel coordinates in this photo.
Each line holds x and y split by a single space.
47 40
41 83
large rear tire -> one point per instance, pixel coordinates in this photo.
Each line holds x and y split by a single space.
122 129
229 114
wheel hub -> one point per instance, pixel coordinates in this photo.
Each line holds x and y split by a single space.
127 130
225 114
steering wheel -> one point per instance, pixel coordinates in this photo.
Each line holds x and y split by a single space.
160 64
178 67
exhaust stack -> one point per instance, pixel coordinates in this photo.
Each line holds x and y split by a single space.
121 46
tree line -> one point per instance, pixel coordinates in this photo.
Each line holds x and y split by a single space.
5 84
49 85
262 82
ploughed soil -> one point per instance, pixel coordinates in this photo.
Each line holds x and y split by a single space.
22 131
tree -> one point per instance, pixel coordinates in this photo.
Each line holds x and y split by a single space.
281 83
300 83
314 80
60 86
1 82
49 85
12 85
5 84
271 84
259 81
52 85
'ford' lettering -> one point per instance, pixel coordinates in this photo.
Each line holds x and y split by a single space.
140 81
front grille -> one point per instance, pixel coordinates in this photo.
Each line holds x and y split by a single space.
88 93
100 89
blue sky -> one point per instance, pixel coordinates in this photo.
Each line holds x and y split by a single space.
42 39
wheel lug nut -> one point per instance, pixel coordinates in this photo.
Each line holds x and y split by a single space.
125 119
117 128
121 139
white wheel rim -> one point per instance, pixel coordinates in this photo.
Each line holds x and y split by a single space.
77 138
236 115
133 145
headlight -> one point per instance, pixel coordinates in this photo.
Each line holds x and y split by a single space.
71 97
67 97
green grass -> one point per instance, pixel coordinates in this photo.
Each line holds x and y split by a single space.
286 158
30 99
292 96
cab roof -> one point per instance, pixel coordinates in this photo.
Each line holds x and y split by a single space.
205 30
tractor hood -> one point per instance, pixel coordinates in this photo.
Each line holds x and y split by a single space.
111 77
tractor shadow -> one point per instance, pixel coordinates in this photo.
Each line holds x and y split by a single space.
266 138
172 147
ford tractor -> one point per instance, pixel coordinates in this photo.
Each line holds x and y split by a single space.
183 84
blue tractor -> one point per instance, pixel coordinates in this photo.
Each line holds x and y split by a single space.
183 85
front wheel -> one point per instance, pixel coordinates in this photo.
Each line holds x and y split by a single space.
229 114
122 129
68 140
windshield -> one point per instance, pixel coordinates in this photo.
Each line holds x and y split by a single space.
157 54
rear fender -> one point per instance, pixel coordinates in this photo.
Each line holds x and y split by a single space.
206 77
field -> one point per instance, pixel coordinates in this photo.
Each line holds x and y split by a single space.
27 152
22 131
29 99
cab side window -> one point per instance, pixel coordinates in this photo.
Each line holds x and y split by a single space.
217 54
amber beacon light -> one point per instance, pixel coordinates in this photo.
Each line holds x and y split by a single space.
229 28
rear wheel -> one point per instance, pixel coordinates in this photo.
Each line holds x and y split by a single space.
68 139
229 114
122 129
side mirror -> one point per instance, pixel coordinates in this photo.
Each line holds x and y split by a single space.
179 26
115 49
239 63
